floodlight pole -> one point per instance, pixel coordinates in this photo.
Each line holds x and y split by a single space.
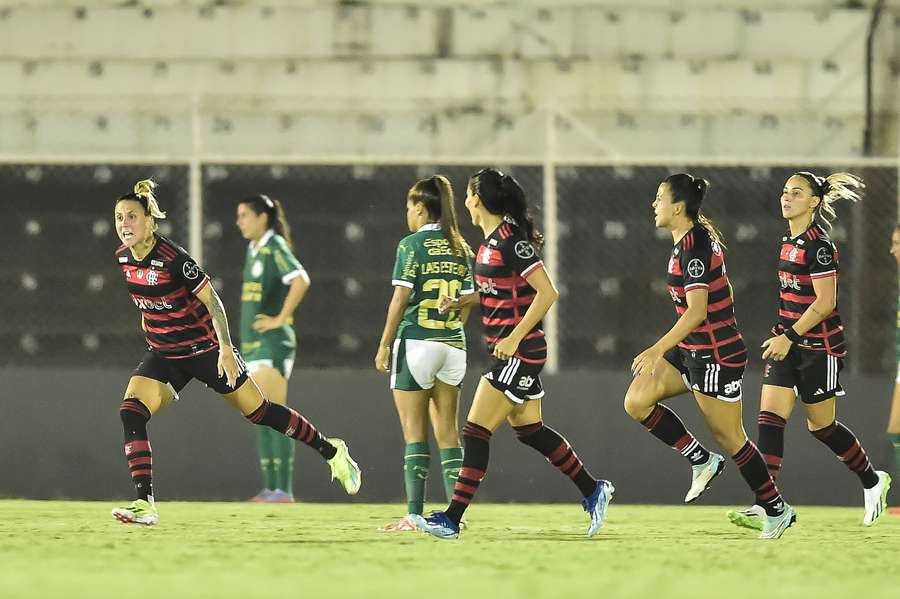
551 238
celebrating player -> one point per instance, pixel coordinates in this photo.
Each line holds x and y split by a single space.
703 353
274 285
187 336
425 350
515 293
805 355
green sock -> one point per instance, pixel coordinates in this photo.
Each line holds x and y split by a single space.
284 449
451 462
266 455
894 438
416 462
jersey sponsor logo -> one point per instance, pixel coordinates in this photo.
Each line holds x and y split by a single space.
790 253
152 277
157 263
524 250
123 259
673 294
257 269
789 281
191 270
733 388
525 382
823 256
485 256
147 304
488 287
695 268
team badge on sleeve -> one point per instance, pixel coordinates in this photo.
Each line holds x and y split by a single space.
191 270
524 250
695 268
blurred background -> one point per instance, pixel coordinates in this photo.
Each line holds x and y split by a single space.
336 108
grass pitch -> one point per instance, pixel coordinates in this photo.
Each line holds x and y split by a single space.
71 550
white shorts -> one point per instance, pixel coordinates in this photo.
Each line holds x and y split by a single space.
415 364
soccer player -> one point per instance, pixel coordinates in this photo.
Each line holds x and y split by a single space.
805 355
515 293
425 350
187 337
274 285
703 353
893 429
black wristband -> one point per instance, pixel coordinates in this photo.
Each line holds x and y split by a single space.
793 335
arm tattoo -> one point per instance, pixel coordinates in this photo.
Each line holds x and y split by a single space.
220 320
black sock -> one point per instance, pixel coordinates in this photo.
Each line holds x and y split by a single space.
846 447
477 453
753 468
288 421
771 441
558 452
135 416
666 426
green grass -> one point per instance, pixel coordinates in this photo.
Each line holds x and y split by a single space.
74 549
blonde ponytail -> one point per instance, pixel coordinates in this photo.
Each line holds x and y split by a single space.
448 220
838 186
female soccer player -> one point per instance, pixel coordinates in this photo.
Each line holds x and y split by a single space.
703 353
424 350
805 355
515 293
188 337
893 429
274 285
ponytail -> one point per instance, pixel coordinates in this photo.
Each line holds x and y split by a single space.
436 194
692 191
263 204
449 222
502 194
143 194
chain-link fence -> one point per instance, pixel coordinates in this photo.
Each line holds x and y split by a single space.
64 302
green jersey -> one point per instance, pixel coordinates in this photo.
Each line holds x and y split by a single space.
427 265
269 268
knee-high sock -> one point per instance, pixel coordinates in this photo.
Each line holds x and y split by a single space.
753 468
894 438
771 441
558 452
416 463
291 423
846 447
477 442
284 473
451 462
666 426
135 416
264 444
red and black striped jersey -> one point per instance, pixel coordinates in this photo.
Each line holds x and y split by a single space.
697 262
164 287
504 260
811 255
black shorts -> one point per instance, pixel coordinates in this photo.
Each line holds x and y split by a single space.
519 381
701 373
177 373
813 375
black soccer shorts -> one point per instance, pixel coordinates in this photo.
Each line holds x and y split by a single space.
701 373
813 375
519 381
178 372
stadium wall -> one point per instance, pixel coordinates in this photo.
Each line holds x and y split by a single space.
61 438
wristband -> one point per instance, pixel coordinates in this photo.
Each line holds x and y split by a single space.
793 335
